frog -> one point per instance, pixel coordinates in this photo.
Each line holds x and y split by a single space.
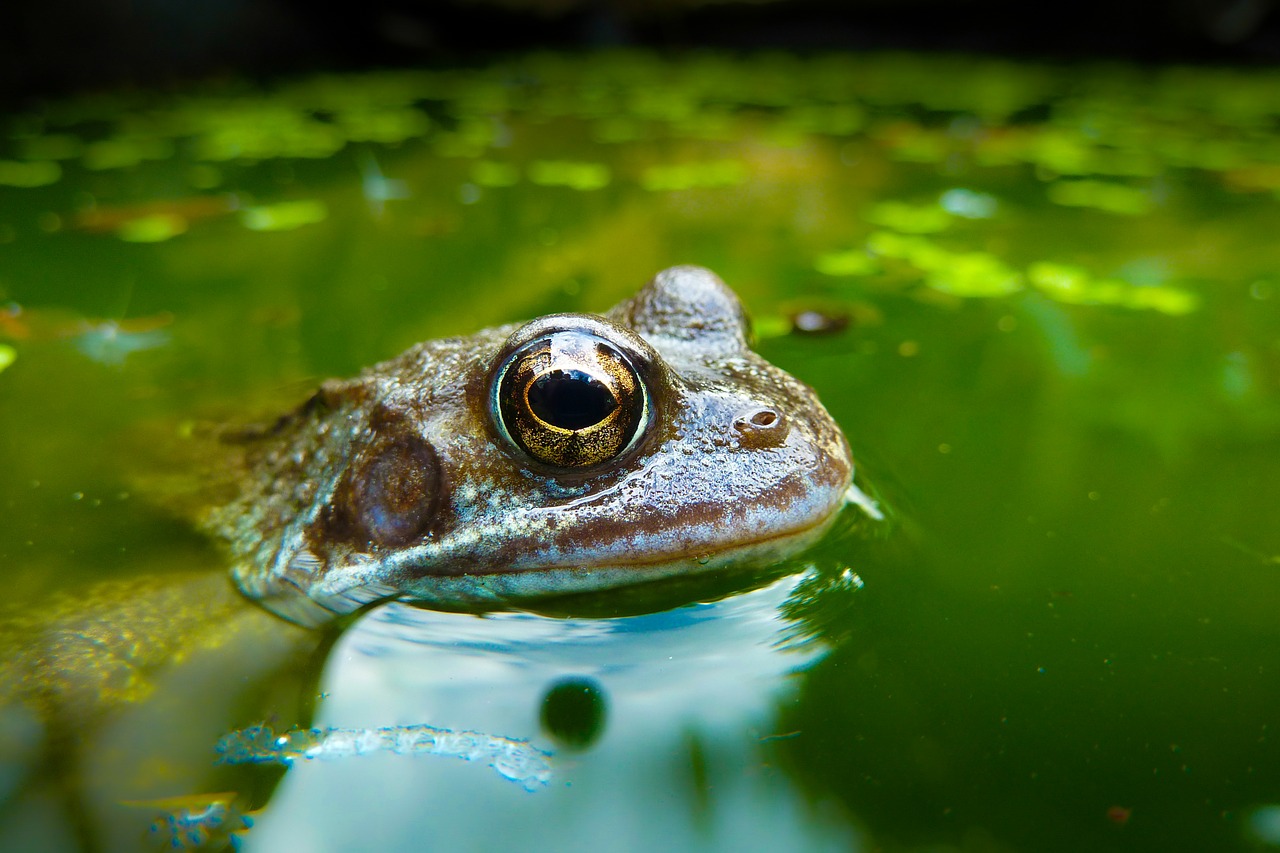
576 452
572 453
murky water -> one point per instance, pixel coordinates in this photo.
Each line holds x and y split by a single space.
1052 334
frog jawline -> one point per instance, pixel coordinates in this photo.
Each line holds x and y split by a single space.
315 606
502 588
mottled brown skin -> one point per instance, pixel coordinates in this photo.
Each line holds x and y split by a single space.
409 481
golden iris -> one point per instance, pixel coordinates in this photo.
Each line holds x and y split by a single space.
570 399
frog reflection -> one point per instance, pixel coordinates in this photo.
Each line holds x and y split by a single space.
668 729
576 452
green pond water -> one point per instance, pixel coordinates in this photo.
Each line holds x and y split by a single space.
1051 308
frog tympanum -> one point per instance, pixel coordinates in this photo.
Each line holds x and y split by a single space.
575 452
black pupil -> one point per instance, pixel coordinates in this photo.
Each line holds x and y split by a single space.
570 399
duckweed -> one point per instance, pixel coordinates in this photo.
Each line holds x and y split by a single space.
1113 198
386 126
841 119
619 129
54 146
1077 286
124 153
909 218
284 216
973 274
851 263
264 134
36 174
684 176
563 173
959 273
735 124
488 173
152 229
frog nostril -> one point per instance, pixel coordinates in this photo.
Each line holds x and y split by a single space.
764 427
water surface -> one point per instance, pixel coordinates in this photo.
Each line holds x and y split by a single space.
1053 338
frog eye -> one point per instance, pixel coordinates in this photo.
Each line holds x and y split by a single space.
569 399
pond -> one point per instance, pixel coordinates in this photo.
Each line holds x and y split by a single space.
1041 300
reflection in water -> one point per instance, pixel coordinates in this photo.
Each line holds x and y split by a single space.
206 822
573 712
513 759
686 761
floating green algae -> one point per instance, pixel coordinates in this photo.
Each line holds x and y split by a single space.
386 126
909 218
1113 198
53 146
471 138
960 273
877 134
488 173
839 119
40 173
202 176
575 175
973 274
981 274
910 143
123 153
284 216
850 263
619 129
684 176
1077 286
152 229
263 132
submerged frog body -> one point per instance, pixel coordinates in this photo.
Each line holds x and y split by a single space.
575 452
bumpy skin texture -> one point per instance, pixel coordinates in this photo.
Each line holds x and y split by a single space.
400 483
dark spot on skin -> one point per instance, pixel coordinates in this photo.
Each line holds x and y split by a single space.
396 489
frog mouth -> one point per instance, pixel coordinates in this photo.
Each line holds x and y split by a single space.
698 544
503 587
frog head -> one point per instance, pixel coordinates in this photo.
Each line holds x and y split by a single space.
574 452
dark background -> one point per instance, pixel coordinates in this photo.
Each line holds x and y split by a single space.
50 47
